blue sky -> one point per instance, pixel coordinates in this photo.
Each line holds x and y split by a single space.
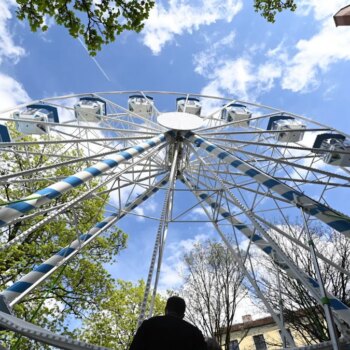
300 64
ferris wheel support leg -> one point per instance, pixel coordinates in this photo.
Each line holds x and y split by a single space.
238 259
27 283
160 241
269 247
325 300
338 221
45 195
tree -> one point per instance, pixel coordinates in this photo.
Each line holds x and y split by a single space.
269 8
310 323
82 284
213 289
118 324
99 22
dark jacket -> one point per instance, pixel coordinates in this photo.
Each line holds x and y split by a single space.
168 333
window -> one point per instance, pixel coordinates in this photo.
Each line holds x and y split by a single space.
234 345
259 342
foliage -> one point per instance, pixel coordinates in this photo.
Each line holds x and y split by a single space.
269 8
213 289
97 21
115 325
84 283
310 325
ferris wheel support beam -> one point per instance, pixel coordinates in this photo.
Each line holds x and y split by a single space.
52 166
332 218
20 237
268 246
281 232
45 195
159 242
165 224
27 283
43 335
237 257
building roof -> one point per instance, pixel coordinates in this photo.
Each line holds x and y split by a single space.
251 324
342 17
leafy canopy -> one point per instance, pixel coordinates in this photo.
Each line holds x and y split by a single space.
269 8
115 324
81 285
100 21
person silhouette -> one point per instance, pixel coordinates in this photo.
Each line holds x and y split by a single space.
169 332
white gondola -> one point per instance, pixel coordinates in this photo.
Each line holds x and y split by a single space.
290 129
141 105
189 105
33 120
335 145
237 113
4 134
90 109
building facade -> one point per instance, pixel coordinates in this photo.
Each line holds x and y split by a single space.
261 334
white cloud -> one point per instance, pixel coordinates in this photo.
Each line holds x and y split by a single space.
297 67
173 266
315 56
11 92
8 49
181 17
320 9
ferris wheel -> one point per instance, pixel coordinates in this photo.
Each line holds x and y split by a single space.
249 167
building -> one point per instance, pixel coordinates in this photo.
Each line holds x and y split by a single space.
261 334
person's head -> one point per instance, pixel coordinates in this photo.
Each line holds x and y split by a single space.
175 306
212 344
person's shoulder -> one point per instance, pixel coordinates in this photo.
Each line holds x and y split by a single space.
154 319
191 326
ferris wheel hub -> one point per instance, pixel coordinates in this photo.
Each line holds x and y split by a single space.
180 121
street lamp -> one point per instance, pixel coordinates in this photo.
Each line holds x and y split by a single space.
342 17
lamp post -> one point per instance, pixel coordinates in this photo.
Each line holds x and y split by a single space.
342 17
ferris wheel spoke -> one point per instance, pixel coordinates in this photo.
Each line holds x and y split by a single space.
340 310
287 162
20 237
45 195
241 263
27 283
54 166
334 219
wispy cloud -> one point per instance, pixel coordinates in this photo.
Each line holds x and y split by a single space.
8 49
297 66
182 16
11 91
